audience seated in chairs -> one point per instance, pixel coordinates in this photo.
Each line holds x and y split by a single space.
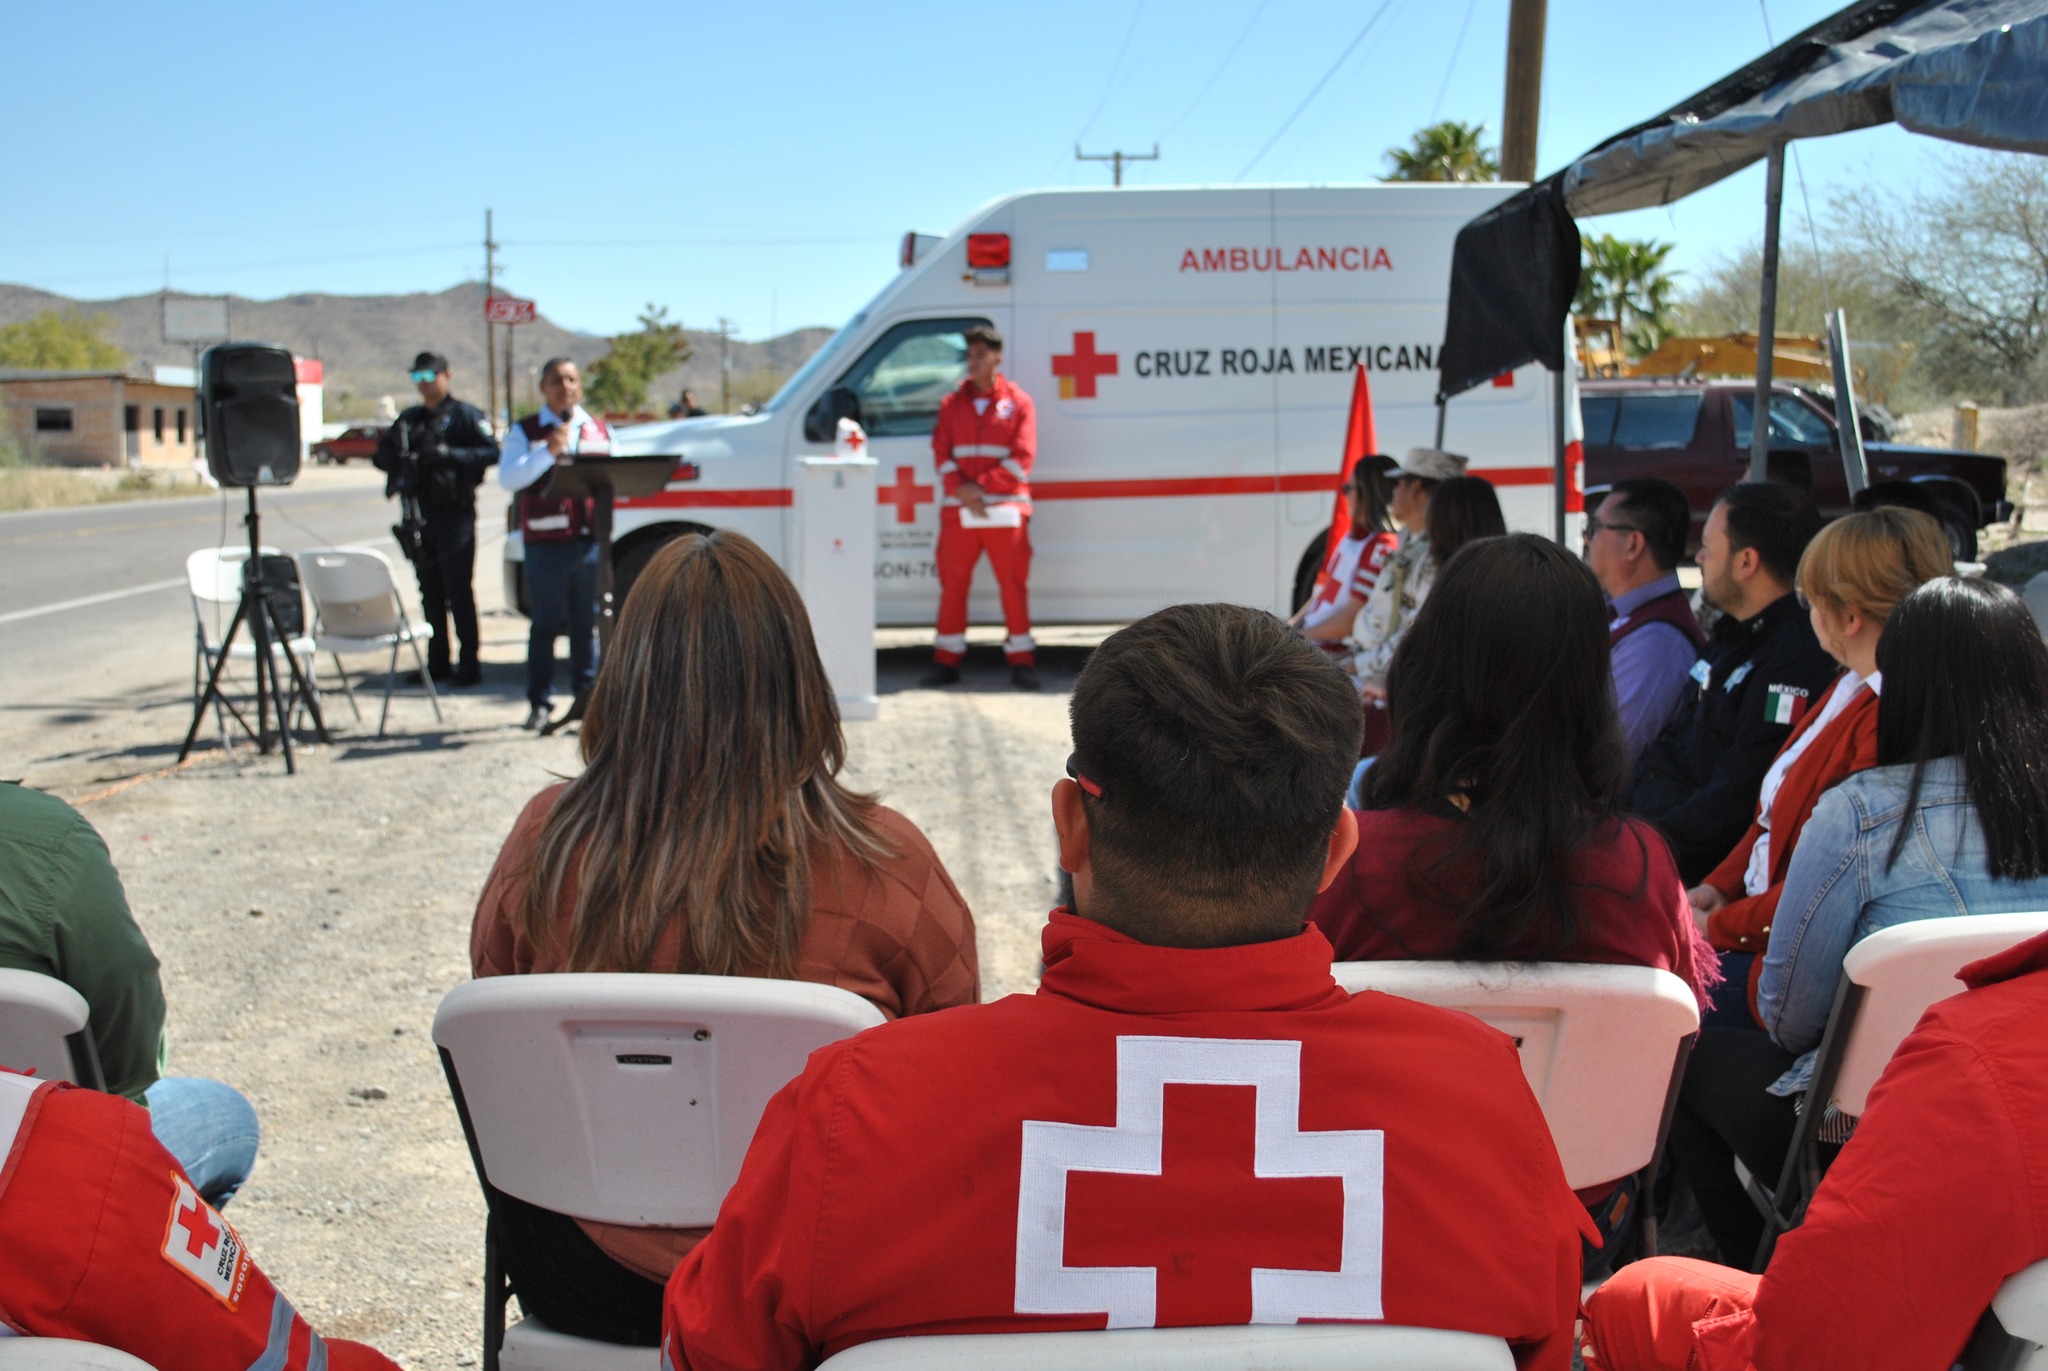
1953 820
1853 573
1934 1202
63 914
1698 781
708 833
107 1242
1354 564
1635 539
1086 1156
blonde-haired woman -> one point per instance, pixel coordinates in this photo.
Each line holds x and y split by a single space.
1853 574
708 833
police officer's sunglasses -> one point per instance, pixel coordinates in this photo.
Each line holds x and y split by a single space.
421 377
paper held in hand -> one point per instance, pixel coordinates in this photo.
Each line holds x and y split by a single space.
993 516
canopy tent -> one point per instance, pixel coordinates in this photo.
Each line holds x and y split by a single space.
1971 71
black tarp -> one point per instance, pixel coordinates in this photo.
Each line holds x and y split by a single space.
1971 71
1513 268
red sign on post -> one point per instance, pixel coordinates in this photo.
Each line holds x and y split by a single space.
508 309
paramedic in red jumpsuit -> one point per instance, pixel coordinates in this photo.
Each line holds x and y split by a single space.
982 448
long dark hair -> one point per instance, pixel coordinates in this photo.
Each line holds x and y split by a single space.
1373 497
1966 676
1460 510
1500 699
711 776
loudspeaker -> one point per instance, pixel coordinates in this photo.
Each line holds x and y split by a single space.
249 414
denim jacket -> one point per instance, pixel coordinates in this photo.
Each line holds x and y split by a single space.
1837 891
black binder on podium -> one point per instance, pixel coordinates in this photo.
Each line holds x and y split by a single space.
603 479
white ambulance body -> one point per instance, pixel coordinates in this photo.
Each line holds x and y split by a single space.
1191 354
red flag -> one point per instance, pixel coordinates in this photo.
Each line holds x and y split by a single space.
1360 440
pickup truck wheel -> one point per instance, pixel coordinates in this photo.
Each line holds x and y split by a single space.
1962 538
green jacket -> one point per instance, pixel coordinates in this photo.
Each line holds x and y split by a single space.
63 914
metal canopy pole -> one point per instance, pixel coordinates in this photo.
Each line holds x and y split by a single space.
1561 480
1767 316
1849 429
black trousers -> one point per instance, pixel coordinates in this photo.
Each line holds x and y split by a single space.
447 570
1725 1112
567 1282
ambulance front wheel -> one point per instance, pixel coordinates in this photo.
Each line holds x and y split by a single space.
1306 570
632 554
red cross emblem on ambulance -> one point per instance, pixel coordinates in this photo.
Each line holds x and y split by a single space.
1298 1237
200 1243
1078 370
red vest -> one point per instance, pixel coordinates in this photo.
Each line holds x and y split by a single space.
105 1241
1669 608
543 520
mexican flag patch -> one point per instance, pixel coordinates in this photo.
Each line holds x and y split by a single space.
1784 704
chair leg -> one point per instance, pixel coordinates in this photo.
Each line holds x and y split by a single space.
346 688
390 680
495 1287
426 679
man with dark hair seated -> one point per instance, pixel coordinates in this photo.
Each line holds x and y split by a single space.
1762 670
1635 539
1190 1123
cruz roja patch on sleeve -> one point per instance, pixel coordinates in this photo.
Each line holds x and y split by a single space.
204 1246
1787 704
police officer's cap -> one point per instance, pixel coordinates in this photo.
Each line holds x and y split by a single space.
430 361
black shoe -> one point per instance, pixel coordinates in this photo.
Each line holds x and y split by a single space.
440 674
939 674
536 718
470 675
1025 677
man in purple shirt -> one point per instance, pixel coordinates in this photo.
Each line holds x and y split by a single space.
1635 537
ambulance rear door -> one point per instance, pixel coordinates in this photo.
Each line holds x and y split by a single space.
1154 481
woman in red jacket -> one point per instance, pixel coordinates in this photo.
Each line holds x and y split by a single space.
1854 572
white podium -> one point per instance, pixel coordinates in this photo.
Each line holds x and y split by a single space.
835 566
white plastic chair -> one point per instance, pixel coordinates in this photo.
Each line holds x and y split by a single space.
356 609
64 1354
1603 1048
213 576
1888 981
620 1098
1247 1347
43 1030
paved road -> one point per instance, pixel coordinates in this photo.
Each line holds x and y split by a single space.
95 616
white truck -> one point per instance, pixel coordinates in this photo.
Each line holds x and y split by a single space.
1191 353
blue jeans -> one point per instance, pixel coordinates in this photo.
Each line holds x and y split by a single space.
561 594
209 1128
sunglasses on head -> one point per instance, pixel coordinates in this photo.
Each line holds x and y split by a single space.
1088 787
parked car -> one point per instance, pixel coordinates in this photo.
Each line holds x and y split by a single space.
1696 435
349 444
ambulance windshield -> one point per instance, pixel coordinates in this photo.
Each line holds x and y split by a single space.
819 360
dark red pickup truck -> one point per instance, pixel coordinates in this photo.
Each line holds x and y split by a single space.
1696 435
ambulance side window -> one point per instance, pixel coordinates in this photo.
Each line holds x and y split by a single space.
909 370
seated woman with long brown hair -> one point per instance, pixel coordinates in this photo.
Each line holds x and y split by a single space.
708 833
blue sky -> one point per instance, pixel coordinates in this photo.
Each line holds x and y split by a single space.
759 161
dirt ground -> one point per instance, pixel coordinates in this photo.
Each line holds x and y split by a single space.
309 925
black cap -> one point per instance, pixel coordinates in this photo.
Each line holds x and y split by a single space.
430 361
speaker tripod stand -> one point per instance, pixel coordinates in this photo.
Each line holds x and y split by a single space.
256 610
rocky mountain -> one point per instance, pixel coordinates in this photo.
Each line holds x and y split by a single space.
368 342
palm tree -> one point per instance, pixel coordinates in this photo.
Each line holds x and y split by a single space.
1449 151
1625 280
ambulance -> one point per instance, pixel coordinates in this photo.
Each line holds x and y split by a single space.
1191 352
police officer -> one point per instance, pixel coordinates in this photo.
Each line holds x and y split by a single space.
434 458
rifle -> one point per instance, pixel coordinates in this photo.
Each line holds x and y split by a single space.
411 529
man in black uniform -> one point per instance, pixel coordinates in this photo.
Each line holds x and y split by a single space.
1763 669
434 458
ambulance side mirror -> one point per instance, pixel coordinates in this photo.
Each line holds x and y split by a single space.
821 425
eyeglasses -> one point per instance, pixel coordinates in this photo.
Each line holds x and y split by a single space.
423 376
1593 527
1088 787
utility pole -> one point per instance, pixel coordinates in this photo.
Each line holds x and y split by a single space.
1524 102
490 334
724 365
1116 160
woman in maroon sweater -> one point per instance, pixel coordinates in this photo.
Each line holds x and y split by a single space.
1490 831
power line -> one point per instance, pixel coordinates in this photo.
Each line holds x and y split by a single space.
1316 89
185 268
1108 87
1452 65
1799 175
1209 84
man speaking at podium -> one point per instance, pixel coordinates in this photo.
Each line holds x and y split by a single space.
561 544
982 447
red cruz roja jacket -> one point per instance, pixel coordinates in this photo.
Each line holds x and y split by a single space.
559 521
993 447
105 1241
1157 1137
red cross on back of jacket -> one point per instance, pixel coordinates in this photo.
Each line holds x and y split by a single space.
993 447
